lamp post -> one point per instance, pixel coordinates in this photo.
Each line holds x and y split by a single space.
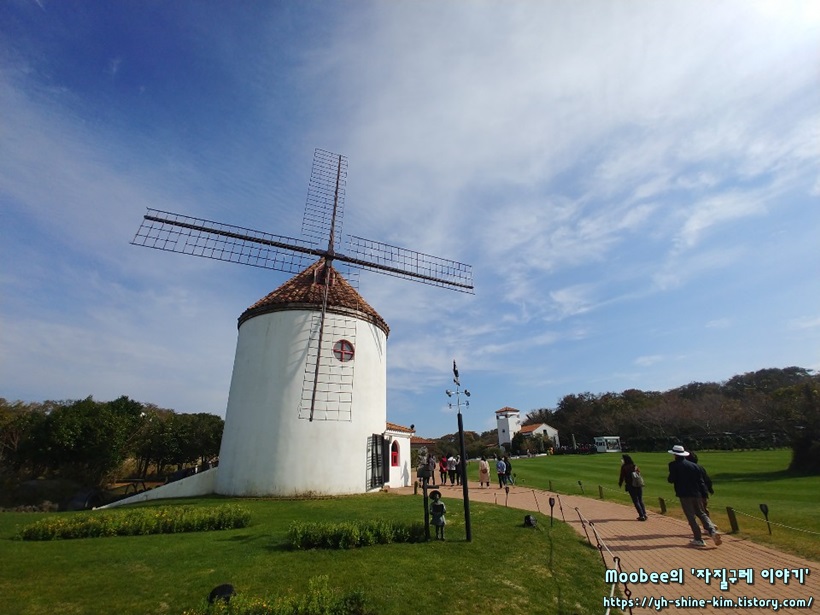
463 470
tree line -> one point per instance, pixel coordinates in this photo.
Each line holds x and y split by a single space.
763 409
91 442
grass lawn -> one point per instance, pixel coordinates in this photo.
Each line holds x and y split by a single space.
507 568
742 480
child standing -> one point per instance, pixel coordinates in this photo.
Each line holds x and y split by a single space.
437 512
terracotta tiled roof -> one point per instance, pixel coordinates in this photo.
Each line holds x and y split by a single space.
416 441
394 427
530 428
505 409
303 291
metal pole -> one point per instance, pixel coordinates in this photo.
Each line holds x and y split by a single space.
465 490
426 511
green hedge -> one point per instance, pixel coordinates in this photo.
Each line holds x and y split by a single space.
136 522
351 534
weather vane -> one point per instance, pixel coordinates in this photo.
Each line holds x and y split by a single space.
458 392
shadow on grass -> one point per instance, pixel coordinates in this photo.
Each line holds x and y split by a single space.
744 477
244 538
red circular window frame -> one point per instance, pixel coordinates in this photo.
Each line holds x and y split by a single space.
343 351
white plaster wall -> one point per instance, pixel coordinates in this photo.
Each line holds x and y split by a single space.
404 474
510 425
266 448
552 433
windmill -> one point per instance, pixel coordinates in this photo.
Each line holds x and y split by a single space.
327 385
324 212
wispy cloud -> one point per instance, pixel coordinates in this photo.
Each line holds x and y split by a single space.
649 360
605 170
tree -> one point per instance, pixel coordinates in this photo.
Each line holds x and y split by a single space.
801 419
517 444
86 440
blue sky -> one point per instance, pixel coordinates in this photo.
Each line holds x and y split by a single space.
634 183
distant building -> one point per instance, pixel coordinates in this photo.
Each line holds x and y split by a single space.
508 422
608 444
417 442
542 429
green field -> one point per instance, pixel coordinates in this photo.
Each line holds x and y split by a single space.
507 568
742 480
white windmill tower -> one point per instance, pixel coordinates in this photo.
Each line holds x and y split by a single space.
307 405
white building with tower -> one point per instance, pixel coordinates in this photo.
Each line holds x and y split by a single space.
508 423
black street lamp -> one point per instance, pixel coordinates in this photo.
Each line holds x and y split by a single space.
463 469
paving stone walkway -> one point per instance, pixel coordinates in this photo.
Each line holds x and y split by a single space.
661 545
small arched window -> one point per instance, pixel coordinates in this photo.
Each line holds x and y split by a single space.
394 454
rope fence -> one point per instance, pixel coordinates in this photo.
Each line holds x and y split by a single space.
601 546
764 520
619 494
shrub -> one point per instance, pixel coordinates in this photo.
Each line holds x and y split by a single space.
137 522
351 534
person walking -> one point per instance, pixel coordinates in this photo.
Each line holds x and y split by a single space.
634 484
484 472
442 470
451 469
508 477
707 482
710 490
459 469
431 464
689 488
500 469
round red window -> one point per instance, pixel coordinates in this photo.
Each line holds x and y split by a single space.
343 350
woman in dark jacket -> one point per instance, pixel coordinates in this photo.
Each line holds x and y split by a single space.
635 491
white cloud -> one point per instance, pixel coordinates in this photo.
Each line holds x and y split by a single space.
719 323
649 360
805 323
583 157
715 211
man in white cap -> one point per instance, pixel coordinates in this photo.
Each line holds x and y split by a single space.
689 487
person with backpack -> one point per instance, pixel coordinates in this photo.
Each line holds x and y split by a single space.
631 476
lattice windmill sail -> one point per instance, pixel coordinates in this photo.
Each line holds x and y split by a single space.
328 385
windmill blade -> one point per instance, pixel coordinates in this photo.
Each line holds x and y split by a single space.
408 264
172 232
324 208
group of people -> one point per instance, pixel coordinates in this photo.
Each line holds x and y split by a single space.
690 479
503 469
448 467
692 486
451 468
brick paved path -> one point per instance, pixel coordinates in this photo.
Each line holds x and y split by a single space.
661 544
